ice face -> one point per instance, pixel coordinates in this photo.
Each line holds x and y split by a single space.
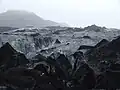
32 40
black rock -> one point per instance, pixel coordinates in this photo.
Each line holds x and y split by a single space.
85 47
78 55
11 58
86 37
18 59
57 41
42 67
63 59
114 45
6 52
101 43
89 79
105 50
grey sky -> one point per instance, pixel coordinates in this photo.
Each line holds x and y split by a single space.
73 12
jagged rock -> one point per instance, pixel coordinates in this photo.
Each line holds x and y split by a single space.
85 47
110 78
105 50
78 55
18 59
101 43
91 50
63 60
57 41
11 58
6 52
114 45
89 78
85 76
77 60
111 46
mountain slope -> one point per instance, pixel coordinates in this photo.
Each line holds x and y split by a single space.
22 19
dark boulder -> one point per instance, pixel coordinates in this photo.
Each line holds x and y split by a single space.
86 76
11 58
104 50
42 67
101 43
89 79
98 45
6 52
57 41
109 79
85 47
63 60
17 59
114 45
111 46
86 37
78 55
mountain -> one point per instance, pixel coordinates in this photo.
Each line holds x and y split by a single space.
21 19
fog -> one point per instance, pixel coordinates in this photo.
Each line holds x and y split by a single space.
78 13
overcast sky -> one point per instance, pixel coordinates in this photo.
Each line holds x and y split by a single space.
73 12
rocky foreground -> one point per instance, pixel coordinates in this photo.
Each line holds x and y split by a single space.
86 59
